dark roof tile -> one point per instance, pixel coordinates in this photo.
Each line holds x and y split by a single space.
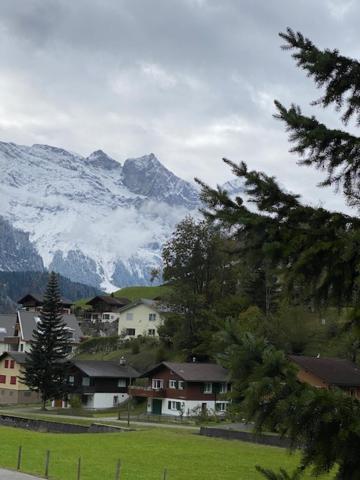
334 371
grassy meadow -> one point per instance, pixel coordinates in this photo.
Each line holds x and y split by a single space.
144 454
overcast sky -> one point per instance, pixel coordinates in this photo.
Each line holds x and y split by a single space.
190 80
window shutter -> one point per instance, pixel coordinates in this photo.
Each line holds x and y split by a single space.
169 405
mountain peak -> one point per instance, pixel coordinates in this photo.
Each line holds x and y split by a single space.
147 176
101 159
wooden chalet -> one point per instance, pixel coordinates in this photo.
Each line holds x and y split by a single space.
185 389
100 384
34 302
327 372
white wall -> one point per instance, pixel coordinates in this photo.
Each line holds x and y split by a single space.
104 400
140 320
189 406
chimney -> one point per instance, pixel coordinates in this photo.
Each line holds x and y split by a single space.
122 361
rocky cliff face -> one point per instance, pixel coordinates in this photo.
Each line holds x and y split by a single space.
91 219
17 253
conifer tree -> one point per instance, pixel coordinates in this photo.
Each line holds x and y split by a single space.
316 255
315 252
45 364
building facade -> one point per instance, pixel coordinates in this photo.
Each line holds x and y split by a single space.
12 390
143 317
105 308
185 389
99 384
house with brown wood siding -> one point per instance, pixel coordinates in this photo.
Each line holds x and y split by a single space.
328 372
185 389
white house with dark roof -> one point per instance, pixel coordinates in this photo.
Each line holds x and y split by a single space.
100 384
8 340
27 322
142 317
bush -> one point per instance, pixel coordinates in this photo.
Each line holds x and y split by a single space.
75 402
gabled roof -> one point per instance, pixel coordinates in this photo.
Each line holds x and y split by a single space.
7 325
193 372
144 301
29 320
108 299
19 357
101 368
40 299
333 371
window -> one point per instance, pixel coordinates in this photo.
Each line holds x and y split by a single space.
71 379
152 317
85 381
129 316
181 385
2 378
172 405
115 400
157 384
106 316
121 382
13 380
220 407
172 384
130 332
12 363
207 387
151 332
22 347
223 388
6 363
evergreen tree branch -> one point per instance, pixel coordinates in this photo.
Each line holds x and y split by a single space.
339 75
335 151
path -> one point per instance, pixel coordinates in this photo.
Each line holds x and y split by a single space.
9 475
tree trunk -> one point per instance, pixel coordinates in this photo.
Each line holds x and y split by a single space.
43 405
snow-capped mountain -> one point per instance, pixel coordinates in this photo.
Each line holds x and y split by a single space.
92 219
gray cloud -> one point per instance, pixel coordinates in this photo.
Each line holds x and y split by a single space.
191 80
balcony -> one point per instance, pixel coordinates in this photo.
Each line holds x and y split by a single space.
148 392
12 340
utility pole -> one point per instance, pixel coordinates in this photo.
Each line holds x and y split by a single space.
128 404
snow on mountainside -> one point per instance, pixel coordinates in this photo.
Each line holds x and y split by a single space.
90 218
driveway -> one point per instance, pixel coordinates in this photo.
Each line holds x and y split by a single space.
9 475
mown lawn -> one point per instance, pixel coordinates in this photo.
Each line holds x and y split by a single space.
144 454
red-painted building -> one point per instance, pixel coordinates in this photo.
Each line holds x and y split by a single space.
185 389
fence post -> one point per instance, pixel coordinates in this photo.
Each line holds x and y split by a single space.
19 458
47 460
165 474
118 470
79 469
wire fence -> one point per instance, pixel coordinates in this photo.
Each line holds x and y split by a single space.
78 467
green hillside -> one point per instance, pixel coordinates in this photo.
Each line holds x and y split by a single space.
134 293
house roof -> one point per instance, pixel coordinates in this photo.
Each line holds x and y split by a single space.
7 325
194 372
29 320
155 305
40 299
334 371
115 301
101 368
19 357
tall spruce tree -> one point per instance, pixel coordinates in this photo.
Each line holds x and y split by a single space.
316 255
45 364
